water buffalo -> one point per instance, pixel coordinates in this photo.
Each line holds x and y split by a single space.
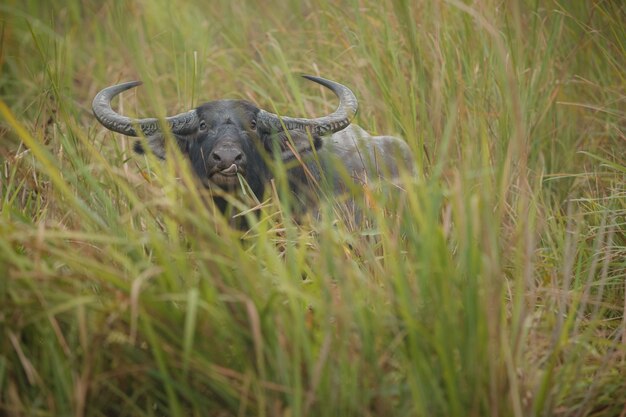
228 139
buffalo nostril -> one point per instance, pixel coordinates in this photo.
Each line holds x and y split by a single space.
216 157
239 158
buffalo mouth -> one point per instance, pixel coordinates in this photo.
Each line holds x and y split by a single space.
226 177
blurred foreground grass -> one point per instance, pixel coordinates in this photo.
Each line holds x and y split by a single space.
495 288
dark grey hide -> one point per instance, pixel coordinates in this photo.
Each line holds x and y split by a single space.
225 139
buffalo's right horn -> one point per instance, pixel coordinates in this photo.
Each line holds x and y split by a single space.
183 123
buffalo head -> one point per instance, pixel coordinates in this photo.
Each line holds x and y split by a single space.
226 138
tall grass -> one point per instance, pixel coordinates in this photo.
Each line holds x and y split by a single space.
492 284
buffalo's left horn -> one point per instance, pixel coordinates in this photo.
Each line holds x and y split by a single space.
332 123
182 123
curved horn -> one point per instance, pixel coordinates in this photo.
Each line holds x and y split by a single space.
334 122
181 123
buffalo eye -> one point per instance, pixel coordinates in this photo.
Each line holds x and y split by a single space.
202 126
253 124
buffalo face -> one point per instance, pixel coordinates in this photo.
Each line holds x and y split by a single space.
227 143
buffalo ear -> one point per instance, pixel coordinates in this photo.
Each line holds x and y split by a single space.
286 142
156 143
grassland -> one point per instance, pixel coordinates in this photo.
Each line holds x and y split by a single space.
495 287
